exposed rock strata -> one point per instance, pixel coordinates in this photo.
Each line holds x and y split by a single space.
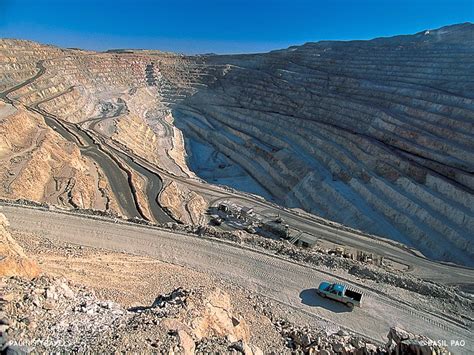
377 135
114 94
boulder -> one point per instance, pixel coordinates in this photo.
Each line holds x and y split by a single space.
301 339
338 347
245 348
65 290
214 317
402 342
397 335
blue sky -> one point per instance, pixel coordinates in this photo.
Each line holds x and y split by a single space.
220 26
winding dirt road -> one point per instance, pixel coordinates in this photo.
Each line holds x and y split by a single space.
287 282
117 175
312 226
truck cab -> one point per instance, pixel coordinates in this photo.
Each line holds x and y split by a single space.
340 293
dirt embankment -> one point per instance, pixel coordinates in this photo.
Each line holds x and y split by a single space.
13 260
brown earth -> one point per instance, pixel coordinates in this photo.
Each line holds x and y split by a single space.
38 164
135 281
13 260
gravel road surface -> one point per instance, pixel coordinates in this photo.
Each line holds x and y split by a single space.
284 281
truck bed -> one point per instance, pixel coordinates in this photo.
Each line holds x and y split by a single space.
356 296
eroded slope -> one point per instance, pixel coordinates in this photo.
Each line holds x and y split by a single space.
37 164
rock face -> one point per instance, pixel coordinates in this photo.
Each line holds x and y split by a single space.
377 135
206 314
111 94
73 319
402 342
13 261
185 205
216 318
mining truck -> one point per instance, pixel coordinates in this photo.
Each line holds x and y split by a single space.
340 293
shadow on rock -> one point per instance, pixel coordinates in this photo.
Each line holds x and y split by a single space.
173 299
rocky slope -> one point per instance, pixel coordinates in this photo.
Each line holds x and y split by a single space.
377 135
73 307
57 316
185 205
64 317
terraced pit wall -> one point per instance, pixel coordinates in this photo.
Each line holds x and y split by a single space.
377 135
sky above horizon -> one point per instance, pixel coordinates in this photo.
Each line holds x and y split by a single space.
220 26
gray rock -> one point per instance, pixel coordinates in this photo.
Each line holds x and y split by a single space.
342 332
238 345
16 350
51 293
338 347
357 342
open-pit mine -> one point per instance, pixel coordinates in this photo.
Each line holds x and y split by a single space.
360 152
